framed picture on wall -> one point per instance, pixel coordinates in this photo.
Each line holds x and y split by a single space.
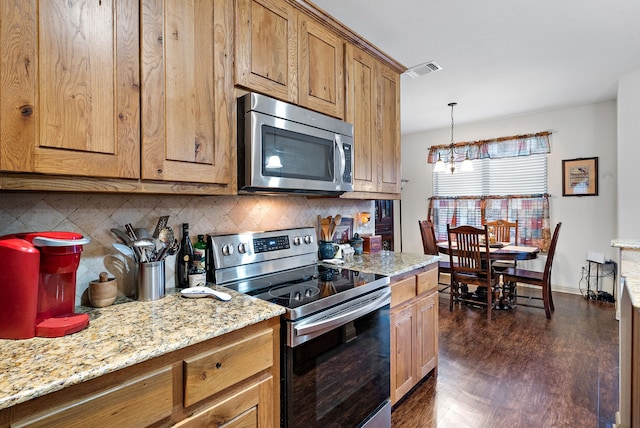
580 177
344 231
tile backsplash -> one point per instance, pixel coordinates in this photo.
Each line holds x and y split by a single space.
94 215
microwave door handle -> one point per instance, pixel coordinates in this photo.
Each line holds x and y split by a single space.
343 159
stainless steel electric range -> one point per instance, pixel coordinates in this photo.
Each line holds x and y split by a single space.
335 332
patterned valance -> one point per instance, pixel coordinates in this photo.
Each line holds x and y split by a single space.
517 145
531 211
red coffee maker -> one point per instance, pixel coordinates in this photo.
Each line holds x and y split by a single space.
38 284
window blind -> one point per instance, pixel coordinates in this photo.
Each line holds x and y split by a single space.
519 175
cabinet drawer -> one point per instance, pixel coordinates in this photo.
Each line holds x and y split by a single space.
427 281
249 407
139 402
403 291
209 373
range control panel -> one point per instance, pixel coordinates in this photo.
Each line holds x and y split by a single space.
241 249
263 245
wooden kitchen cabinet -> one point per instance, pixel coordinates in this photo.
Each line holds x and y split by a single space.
288 55
373 106
266 48
72 105
231 380
125 404
188 123
248 408
320 68
427 334
69 88
414 329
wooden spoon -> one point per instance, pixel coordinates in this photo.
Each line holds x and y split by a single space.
336 222
324 224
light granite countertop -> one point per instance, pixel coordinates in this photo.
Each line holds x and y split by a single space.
129 332
119 336
389 263
630 267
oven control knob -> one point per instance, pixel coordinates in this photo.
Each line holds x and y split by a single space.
308 239
297 240
242 248
227 249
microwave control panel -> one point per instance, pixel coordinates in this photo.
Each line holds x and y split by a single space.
346 177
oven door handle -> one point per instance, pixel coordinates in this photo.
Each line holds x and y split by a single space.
343 317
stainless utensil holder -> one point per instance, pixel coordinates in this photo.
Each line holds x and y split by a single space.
150 281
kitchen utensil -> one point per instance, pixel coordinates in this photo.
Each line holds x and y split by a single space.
142 232
168 250
162 223
104 291
324 226
165 238
125 250
166 235
132 234
121 235
335 222
202 291
147 249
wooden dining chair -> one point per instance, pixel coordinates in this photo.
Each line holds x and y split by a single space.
539 279
429 244
504 231
473 265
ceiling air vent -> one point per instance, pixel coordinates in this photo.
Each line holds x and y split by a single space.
422 69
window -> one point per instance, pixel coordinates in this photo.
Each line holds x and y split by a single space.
520 175
512 188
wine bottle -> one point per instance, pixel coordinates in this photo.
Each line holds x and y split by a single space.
184 258
198 270
200 254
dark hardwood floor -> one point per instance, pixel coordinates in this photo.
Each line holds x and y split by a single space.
520 369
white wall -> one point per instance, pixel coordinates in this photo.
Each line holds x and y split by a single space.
588 223
628 156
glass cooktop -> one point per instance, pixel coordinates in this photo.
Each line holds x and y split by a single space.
309 289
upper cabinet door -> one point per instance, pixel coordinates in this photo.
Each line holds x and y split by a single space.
388 124
266 48
361 111
321 68
70 87
187 109
373 106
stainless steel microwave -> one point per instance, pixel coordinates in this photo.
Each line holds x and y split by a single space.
284 148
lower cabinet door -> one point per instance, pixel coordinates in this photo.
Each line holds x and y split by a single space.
427 334
403 350
247 408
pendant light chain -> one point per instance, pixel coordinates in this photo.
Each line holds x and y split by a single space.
452 105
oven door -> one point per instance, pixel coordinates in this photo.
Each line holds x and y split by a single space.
340 377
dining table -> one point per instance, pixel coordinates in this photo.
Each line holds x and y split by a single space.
500 251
